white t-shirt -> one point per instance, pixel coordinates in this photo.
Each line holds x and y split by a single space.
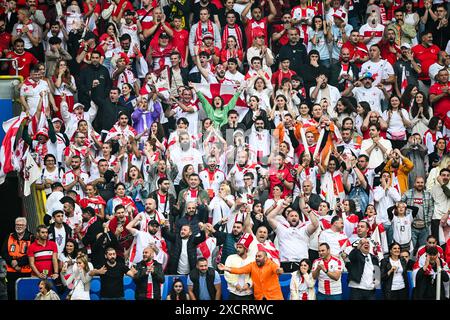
337 241
327 285
219 209
402 228
31 95
183 263
373 96
69 177
293 242
60 238
192 117
368 277
366 30
398 282
380 70
141 241
396 123
182 158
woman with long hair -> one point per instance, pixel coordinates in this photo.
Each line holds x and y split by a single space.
69 255
436 157
401 220
302 282
279 110
319 35
398 121
433 133
136 187
362 110
343 109
187 171
120 198
128 96
64 85
231 50
407 97
157 133
262 88
259 49
411 17
94 200
394 275
420 114
178 292
79 279
304 113
108 42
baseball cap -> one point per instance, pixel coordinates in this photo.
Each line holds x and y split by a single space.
78 105
164 35
56 185
67 199
405 45
207 35
129 13
56 119
366 75
258 32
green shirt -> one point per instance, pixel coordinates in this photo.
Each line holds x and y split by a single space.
218 115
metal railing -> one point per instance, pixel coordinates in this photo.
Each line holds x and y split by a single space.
14 64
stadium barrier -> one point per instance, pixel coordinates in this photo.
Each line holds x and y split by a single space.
27 288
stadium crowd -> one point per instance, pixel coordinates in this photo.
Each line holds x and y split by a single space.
247 137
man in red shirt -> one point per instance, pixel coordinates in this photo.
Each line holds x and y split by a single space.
390 51
157 26
257 20
439 95
43 255
282 72
427 54
280 174
180 40
24 59
5 38
145 14
358 49
280 32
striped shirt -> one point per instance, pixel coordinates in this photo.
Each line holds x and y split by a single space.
327 285
43 255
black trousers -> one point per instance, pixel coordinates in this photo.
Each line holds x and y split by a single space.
290 266
313 255
435 228
360 294
235 297
401 294
12 278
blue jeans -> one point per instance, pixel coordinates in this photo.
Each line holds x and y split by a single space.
324 297
389 232
419 237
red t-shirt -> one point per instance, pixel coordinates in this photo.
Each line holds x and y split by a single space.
155 36
278 76
225 55
387 54
5 40
441 107
43 255
273 180
24 62
145 18
284 38
128 6
252 24
426 57
180 41
359 50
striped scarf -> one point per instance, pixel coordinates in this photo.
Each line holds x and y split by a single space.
150 294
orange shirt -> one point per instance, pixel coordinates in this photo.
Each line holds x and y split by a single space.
265 280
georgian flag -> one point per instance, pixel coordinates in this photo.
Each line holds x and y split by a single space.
9 150
404 82
226 91
31 173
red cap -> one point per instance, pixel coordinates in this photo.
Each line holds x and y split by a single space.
245 240
258 32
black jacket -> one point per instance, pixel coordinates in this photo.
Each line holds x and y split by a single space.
87 75
297 55
356 265
335 70
108 111
386 280
174 255
173 212
247 121
52 233
200 216
141 278
184 75
425 288
104 241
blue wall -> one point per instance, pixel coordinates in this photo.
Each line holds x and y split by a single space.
27 288
6 113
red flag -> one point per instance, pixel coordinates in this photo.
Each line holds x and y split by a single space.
11 128
404 83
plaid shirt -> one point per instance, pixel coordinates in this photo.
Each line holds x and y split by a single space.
428 203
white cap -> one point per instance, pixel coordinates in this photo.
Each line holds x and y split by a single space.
406 45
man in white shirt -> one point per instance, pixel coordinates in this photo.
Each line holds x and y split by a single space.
240 285
440 192
372 31
364 90
328 269
385 196
381 70
443 62
232 75
324 90
335 237
376 148
364 273
184 155
293 236
30 92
